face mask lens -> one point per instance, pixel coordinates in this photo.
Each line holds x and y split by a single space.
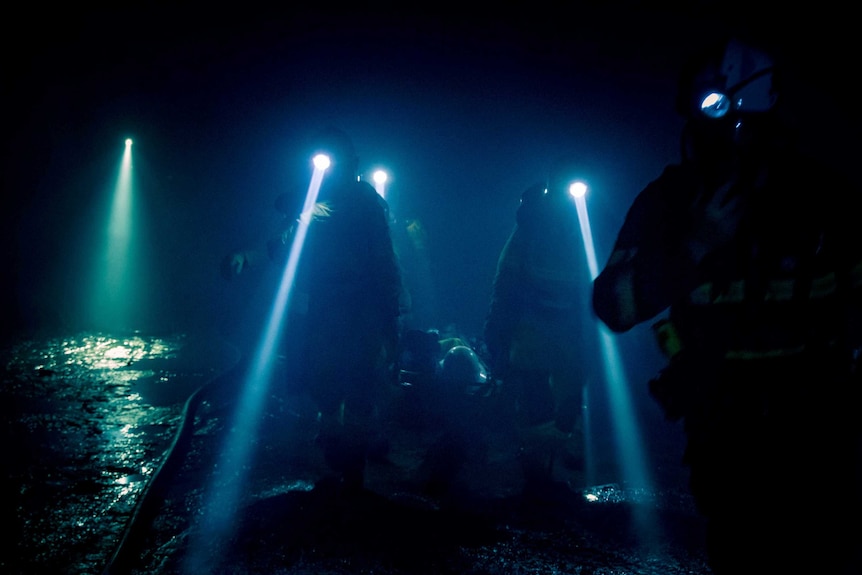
715 105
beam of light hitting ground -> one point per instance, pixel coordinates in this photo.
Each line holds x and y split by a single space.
631 453
225 495
110 297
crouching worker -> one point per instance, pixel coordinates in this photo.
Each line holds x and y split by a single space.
463 397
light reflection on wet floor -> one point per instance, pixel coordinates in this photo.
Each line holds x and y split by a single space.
97 414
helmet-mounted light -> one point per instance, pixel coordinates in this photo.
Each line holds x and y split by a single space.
743 84
715 105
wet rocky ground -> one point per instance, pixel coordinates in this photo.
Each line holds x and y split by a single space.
138 454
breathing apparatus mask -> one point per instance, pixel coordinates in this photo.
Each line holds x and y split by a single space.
726 98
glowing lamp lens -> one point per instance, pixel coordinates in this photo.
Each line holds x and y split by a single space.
715 105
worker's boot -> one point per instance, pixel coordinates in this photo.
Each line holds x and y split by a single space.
541 449
345 450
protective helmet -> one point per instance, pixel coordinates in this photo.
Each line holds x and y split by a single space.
728 95
534 191
529 210
462 370
736 79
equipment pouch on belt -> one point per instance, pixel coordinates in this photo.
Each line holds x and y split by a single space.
686 379
673 387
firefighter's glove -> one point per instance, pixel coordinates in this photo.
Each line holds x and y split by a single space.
233 265
673 389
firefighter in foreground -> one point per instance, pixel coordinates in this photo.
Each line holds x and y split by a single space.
341 329
536 328
755 253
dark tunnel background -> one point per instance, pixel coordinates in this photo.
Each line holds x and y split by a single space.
464 110
464 107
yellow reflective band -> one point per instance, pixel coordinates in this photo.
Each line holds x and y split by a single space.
776 290
763 354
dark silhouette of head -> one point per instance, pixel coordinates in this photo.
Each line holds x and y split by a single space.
728 94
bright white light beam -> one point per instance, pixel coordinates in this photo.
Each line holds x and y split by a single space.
631 451
225 496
